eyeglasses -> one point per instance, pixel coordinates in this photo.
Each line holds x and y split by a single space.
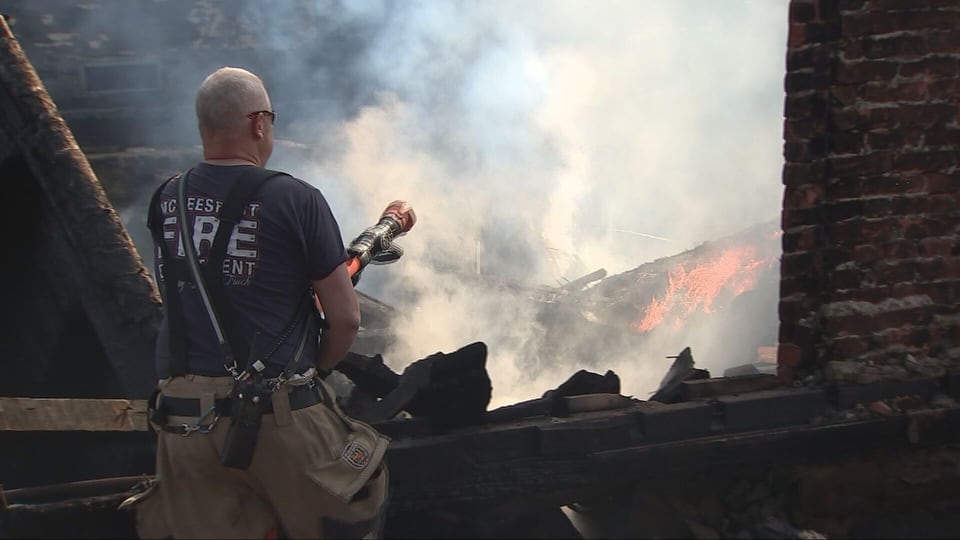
273 115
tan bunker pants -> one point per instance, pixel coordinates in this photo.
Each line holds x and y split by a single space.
305 476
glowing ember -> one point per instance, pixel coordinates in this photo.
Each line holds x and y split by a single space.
734 270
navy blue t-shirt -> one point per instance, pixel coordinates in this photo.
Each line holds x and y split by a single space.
286 238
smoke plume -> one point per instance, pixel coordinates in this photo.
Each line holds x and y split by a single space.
532 138
537 140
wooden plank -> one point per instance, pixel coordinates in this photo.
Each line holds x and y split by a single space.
708 388
49 414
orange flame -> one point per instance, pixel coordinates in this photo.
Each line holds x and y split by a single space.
735 270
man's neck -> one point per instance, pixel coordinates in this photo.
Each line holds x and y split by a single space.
230 161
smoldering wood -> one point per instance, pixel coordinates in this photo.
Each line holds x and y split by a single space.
710 387
448 389
583 281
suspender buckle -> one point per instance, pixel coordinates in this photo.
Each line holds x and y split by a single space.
198 426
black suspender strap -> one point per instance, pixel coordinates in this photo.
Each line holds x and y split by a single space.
186 240
230 215
209 279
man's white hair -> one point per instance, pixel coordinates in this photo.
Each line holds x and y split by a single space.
226 96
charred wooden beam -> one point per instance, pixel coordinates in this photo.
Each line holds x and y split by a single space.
24 414
583 281
707 388
449 389
114 286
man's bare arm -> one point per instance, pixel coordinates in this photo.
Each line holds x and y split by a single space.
342 312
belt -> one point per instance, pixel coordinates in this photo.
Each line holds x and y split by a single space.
300 397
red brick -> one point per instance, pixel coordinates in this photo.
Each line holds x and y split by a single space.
804 106
788 354
842 209
797 35
878 207
786 374
885 92
904 115
821 33
925 226
943 135
897 45
850 5
850 278
924 161
807 285
803 196
794 309
895 271
861 71
852 50
942 41
859 231
931 268
870 294
936 65
802 81
942 292
866 254
889 5
855 324
884 22
848 347
872 163
893 319
817 58
899 290
801 128
891 185
938 182
798 217
936 247
952 268
800 239
899 249
795 174
848 142
797 263
945 87
865 23
891 206
882 140
846 187
846 118
836 255
802 12
942 204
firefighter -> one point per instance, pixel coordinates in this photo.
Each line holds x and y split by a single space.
251 442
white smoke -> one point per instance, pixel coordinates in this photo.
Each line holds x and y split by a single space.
537 140
530 135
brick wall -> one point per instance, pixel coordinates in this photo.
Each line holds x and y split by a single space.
870 276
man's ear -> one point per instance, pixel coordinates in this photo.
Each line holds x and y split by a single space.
257 127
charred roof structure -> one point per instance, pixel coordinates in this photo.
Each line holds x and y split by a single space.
79 302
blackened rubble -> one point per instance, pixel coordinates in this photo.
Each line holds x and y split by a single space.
582 443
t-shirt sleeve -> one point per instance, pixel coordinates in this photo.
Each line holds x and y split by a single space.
324 245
